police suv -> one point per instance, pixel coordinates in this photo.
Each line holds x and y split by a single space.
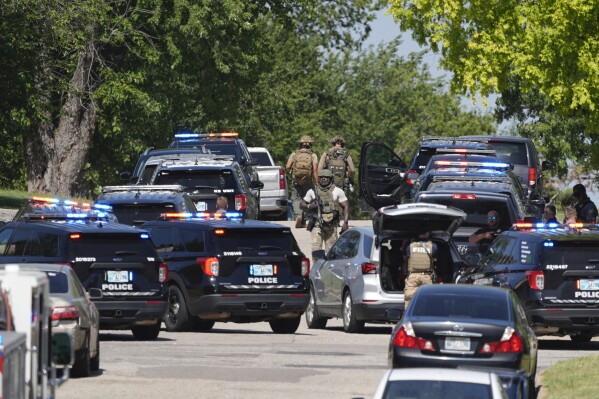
117 261
554 270
223 268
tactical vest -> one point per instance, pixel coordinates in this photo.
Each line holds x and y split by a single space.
420 259
328 209
336 161
301 173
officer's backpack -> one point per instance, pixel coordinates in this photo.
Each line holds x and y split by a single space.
336 161
301 172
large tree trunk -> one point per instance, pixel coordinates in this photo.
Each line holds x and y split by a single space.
57 150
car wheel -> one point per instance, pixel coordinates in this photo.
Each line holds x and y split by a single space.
202 325
285 326
313 319
283 216
146 333
82 364
176 318
582 337
95 361
350 324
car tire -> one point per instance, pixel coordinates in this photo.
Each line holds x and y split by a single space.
582 337
82 365
177 318
202 325
285 326
146 333
350 324
283 216
95 361
313 318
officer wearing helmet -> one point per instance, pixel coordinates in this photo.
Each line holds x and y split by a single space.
303 166
337 160
323 202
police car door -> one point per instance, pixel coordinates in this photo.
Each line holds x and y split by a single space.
381 176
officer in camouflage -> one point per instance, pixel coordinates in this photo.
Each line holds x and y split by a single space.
338 161
302 164
420 258
323 202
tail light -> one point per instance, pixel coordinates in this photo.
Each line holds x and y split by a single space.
305 266
510 342
65 313
405 338
210 266
239 202
282 184
368 268
410 172
463 196
536 279
532 176
69 264
163 273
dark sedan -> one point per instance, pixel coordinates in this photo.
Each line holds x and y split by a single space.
464 325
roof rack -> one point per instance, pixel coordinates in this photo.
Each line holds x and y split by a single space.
146 187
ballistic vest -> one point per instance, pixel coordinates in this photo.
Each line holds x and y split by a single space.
421 254
328 209
336 162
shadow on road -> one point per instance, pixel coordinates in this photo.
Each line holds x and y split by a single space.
557 344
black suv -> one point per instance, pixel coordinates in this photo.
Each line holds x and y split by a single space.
231 270
116 263
136 204
553 269
522 153
205 179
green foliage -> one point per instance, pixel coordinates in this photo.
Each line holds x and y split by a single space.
574 378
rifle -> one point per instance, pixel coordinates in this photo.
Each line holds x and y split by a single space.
318 218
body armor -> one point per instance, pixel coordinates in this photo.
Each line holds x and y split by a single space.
421 254
328 209
337 163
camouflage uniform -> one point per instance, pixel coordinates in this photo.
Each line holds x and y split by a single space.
420 268
299 191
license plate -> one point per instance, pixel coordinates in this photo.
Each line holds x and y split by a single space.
589 285
457 344
201 206
120 276
261 270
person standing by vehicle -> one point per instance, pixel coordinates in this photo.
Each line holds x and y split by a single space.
485 236
549 214
420 258
322 202
303 164
337 160
586 211
570 214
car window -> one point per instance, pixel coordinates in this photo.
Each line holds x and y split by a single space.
59 283
242 179
476 209
4 237
419 389
503 250
353 244
194 240
262 157
164 239
208 180
135 214
254 239
339 249
146 175
512 152
480 307
76 287
526 251
49 244
18 242
104 246
368 242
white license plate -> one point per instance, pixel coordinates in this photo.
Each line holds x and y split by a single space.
261 270
119 276
589 285
457 344
201 206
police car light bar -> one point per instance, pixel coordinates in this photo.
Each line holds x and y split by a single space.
48 201
145 187
552 226
202 215
471 151
499 165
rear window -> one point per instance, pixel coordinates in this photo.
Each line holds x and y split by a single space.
570 255
136 214
254 239
110 246
425 389
59 283
200 181
262 157
476 210
230 148
468 306
514 153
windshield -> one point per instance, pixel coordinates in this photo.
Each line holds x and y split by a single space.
425 389
199 181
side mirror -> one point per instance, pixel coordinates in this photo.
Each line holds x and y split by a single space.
320 254
95 293
256 184
63 353
253 162
125 175
546 165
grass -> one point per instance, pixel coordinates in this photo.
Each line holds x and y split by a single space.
574 378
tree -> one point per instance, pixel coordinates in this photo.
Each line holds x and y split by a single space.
549 46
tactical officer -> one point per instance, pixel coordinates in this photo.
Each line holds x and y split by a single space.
322 202
338 161
586 211
485 236
302 164
420 258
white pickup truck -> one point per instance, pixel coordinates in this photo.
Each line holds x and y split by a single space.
273 197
